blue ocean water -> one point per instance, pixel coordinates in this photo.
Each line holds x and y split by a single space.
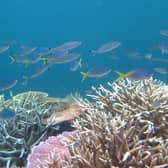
136 24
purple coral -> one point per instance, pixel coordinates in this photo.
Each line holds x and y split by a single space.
51 153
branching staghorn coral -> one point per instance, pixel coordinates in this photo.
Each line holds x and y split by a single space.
126 127
27 129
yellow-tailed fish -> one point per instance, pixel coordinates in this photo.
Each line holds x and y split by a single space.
16 59
138 74
96 72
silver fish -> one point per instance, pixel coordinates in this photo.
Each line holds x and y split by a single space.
69 45
96 72
4 48
34 74
106 47
39 71
26 51
64 58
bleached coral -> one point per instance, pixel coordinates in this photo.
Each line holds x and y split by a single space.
126 126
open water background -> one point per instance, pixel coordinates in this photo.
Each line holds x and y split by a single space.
136 24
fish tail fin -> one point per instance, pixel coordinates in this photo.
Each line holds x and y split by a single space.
80 63
12 59
84 76
120 75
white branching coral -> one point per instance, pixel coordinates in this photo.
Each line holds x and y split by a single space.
126 126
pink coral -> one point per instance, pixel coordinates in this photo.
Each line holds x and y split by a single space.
51 153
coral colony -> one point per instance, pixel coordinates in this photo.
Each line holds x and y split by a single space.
126 126
123 126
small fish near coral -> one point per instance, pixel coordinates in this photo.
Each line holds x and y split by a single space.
138 74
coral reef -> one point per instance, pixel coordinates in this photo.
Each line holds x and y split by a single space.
29 127
125 126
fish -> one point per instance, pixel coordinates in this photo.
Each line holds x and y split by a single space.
7 114
26 61
164 33
4 48
76 64
68 45
37 72
40 51
138 74
26 51
15 59
161 70
53 56
64 58
7 85
50 51
64 47
109 46
95 72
